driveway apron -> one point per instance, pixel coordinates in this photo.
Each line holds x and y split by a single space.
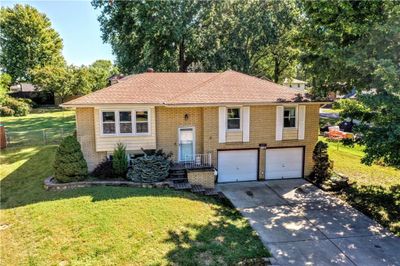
302 225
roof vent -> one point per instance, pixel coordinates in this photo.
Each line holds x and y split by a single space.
150 70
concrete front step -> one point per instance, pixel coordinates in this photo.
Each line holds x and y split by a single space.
198 189
182 186
210 192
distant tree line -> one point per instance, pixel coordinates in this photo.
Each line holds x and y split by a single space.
31 51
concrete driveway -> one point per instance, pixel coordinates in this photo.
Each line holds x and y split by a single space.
302 225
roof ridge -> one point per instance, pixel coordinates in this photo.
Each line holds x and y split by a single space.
267 81
199 85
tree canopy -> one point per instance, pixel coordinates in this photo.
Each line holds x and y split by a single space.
27 40
66 80
100 71
355 44
255 37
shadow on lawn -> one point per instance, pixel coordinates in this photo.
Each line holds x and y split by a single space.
24 185
225 239
220 242
379 203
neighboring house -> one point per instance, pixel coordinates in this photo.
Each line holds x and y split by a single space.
295 84
247 128
28 91
352 95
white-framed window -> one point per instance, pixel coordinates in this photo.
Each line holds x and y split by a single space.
289 117
233 118
124 122
108 122
142 122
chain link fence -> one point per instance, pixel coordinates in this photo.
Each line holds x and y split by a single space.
36 137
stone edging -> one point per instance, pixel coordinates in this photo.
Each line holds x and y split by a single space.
49 184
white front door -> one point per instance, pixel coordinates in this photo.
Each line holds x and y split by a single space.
237 165
186 148
284 163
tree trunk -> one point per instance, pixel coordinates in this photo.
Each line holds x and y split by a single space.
182 62
276 70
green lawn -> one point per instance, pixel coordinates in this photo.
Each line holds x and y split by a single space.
111 225
41 127
375 189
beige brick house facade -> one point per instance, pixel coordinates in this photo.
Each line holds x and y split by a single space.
205 122
198 116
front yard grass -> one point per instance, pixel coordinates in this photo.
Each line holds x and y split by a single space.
375 189
111 225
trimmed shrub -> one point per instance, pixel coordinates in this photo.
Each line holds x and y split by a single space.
20 107
69 163
104 170
120 161
159 152
149 168
5 111
322 165
31 103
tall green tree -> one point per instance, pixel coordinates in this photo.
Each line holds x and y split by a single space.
100 71
63 81
27 40
166 35
355 44
279 59
242 29
5 82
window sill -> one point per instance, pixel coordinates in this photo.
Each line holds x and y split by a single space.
125 135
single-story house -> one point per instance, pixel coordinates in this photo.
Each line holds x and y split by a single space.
247 128
295 84
29 91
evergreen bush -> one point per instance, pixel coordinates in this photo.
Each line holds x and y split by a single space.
69 163
150 168
120 161
322 165
104 170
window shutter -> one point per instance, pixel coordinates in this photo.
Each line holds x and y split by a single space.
302 120
279 123
246 124
222 124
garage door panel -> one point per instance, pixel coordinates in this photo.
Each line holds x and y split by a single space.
284 163
237 165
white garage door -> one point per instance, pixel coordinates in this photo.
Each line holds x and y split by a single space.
284 163
237 165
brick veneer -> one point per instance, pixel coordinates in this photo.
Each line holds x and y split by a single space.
205 178
205 121
86 137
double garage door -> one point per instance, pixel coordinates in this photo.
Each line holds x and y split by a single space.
242 165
